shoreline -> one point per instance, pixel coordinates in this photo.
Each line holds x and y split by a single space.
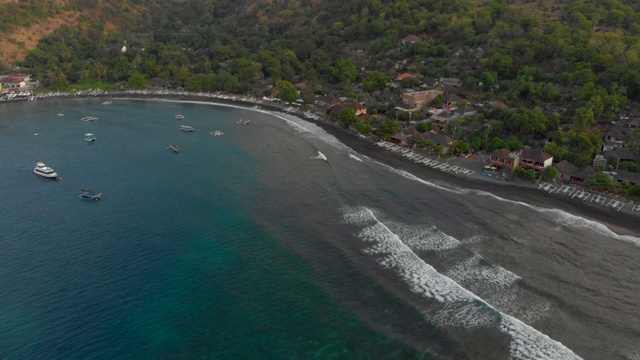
618 222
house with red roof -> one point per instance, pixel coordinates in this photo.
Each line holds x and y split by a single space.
499 105
410 39
404 76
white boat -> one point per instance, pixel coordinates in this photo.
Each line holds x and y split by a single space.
242 122
60 114
217 133
88 137
187 128
106 103
43 170
89 118
179 117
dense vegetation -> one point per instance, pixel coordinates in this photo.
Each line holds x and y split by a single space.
580 58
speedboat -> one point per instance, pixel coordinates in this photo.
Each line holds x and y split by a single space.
91 195
187 128
89 118
174 148
43 170
179 117
217 133
88 137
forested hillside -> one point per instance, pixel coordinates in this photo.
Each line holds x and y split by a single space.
580 56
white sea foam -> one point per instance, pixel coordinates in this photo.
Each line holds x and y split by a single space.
474 239
355 157
461 307
423 238
470 272
560 216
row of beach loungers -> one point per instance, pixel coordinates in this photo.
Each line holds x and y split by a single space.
425 160
586 196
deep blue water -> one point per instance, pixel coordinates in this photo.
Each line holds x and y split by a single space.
171 263
250 246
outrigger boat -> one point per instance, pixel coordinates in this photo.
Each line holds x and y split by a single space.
242 122
89 118
88 137
217 133
187 128
106 103
175 148
179 117
91 195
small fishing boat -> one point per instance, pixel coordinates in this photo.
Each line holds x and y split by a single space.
89 118
106 103
61 114
88 137
174 148
90 195
179 117
242 122
217 133
187 128
43 170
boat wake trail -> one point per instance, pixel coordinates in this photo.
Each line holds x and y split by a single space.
396 247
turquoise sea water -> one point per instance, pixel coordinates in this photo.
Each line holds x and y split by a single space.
172 263
251 246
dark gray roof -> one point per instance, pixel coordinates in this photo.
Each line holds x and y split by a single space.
623 175
566 167
623 153
584 173
615 133
450 97
500 153
535 154
438 138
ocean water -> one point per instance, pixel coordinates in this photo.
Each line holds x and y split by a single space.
275 241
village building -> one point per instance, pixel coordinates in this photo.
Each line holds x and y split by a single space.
410 39
504 158
615 137
580 176
627 176
404 76
565 170
450 82
417 99
535 159
622 153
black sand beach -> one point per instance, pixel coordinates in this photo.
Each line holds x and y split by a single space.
622 223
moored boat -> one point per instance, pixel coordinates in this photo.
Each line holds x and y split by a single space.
174 148
217 133
89 118
179 117
43 170
91 195
187 128
88 137
242 122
